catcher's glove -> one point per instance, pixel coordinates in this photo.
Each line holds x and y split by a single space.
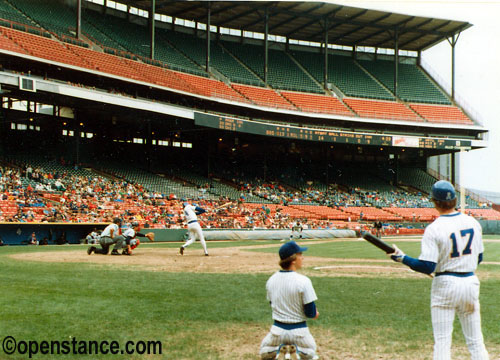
151 236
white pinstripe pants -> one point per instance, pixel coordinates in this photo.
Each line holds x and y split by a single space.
460 295
300 337
194 231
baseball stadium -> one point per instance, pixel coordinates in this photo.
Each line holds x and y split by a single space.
266 124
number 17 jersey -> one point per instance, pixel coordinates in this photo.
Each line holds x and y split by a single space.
454 242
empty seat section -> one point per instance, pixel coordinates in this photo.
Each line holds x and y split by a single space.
161 76
225 63
118 33
381 109
441 113
317 103
283 72
175 55
56 17
212 88
44 48
10 45
413 84
344 73
264 96
9 12
106 63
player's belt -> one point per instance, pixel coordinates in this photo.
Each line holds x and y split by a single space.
192 221
286 326
459 274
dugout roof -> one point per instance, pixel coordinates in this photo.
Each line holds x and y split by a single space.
307 20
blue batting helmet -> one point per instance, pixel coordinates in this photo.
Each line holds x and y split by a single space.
443 190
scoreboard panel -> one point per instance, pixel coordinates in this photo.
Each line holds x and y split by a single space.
323 135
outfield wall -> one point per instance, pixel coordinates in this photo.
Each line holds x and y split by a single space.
18 233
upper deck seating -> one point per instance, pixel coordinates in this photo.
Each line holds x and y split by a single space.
413 84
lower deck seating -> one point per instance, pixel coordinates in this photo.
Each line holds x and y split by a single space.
212 88
317 103
441 113
381 109
263 96
42 47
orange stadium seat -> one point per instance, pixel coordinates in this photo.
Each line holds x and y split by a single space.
211 87
441 113
414 214
10 45
381 109
263 96
42 47
317 103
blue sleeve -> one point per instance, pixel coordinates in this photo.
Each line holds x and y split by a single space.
310 310
480 258
199 210
426 267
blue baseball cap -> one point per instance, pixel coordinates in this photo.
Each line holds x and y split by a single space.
290 248
443 190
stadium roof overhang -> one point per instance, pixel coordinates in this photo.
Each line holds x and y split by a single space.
314 21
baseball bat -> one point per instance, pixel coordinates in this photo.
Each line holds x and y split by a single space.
223 206
378 242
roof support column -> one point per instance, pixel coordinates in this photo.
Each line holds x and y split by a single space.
207 66
396 61
325 69
266 49
453 42
152 29
78 19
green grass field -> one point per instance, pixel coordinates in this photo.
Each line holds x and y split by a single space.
197 315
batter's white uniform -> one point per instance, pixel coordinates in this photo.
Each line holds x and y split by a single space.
288 292
454 242
193 226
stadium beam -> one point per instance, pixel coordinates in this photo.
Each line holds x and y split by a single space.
359 27
396 60
266 42
152 30
325 69
208 38
79 19
453 42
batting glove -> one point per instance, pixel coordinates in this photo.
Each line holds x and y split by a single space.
398 255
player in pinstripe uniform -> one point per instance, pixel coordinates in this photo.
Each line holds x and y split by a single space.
292 299
452 246
193 226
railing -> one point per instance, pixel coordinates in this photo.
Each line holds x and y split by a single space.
460 100
472 195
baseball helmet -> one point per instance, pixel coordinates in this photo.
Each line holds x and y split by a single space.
117 221
134 224
185 204
443 190
290 248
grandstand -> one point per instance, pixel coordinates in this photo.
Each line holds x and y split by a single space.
171 116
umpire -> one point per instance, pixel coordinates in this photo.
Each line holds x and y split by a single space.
109 236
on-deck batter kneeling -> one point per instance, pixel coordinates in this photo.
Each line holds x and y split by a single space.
292 298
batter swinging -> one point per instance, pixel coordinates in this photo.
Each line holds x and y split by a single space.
452 246
194 228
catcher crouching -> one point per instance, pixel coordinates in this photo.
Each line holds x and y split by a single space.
131 234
